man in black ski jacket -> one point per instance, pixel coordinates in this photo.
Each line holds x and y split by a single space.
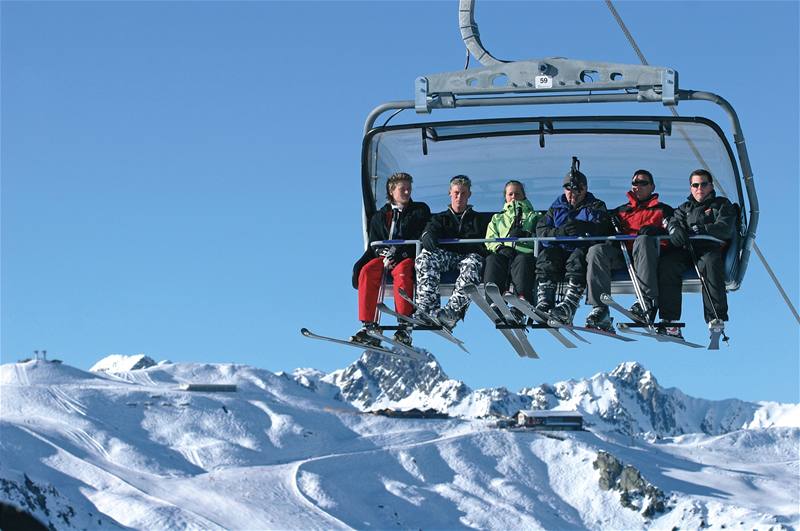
704 213
458 221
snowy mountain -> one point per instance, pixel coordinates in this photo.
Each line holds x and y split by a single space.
627 400
129 449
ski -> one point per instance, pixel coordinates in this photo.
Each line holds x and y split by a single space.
650 332
444 332
525 307
623 327
405 318
608 300
493 292
555 323
311 335
520 345
402 347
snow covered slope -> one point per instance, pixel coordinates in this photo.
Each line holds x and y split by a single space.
111 450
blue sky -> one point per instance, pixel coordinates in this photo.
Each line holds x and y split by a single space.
182 179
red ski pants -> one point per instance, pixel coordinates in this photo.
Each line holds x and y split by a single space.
369 286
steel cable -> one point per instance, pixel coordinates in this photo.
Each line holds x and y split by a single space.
761 257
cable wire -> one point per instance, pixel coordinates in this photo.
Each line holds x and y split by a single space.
761 257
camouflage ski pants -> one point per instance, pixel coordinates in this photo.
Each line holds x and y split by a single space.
430 266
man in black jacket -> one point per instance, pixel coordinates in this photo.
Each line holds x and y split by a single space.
704 213
458 221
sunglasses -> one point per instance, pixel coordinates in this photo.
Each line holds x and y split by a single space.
703 184
637 182
572 187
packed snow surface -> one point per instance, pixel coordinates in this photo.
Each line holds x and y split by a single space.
126 448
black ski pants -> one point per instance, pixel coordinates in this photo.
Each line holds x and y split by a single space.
556 264
673 263
602 258
522 269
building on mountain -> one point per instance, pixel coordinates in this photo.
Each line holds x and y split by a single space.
549 419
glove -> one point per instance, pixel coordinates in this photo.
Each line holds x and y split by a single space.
577 228
567 229
697 229
393 258
677 234
518 232
505 251
429 242
650 230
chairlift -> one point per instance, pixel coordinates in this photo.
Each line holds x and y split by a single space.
537 149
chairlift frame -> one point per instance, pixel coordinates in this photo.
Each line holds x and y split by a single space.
561 81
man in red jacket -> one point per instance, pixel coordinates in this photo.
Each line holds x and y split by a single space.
643 215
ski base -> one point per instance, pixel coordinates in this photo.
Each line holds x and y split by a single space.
311 335
623 327
521 345
525 307
555 323
517 330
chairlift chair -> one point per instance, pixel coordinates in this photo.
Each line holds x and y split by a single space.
537 149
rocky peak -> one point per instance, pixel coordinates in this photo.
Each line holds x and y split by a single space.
380 379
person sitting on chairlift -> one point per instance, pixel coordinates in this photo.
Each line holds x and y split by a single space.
458 221
517 220
704 213
642 216
400 219
576 212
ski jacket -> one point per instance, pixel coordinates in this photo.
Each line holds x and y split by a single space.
715 216
591 210
502 222
409 226
636 215
467 225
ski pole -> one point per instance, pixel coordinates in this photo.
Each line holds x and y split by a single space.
703 285
385 274
637 288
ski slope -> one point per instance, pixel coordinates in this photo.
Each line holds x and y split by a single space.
129 449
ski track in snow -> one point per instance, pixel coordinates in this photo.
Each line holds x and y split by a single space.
22 374
392 448
197 521
66 402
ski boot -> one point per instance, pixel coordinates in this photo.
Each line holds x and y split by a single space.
600 319
665 329
644 315
362 337
545 296
447 317
403 335
565 310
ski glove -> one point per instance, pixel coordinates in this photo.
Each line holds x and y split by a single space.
518 232
577 228
429 242
698 229
505 251
677 234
